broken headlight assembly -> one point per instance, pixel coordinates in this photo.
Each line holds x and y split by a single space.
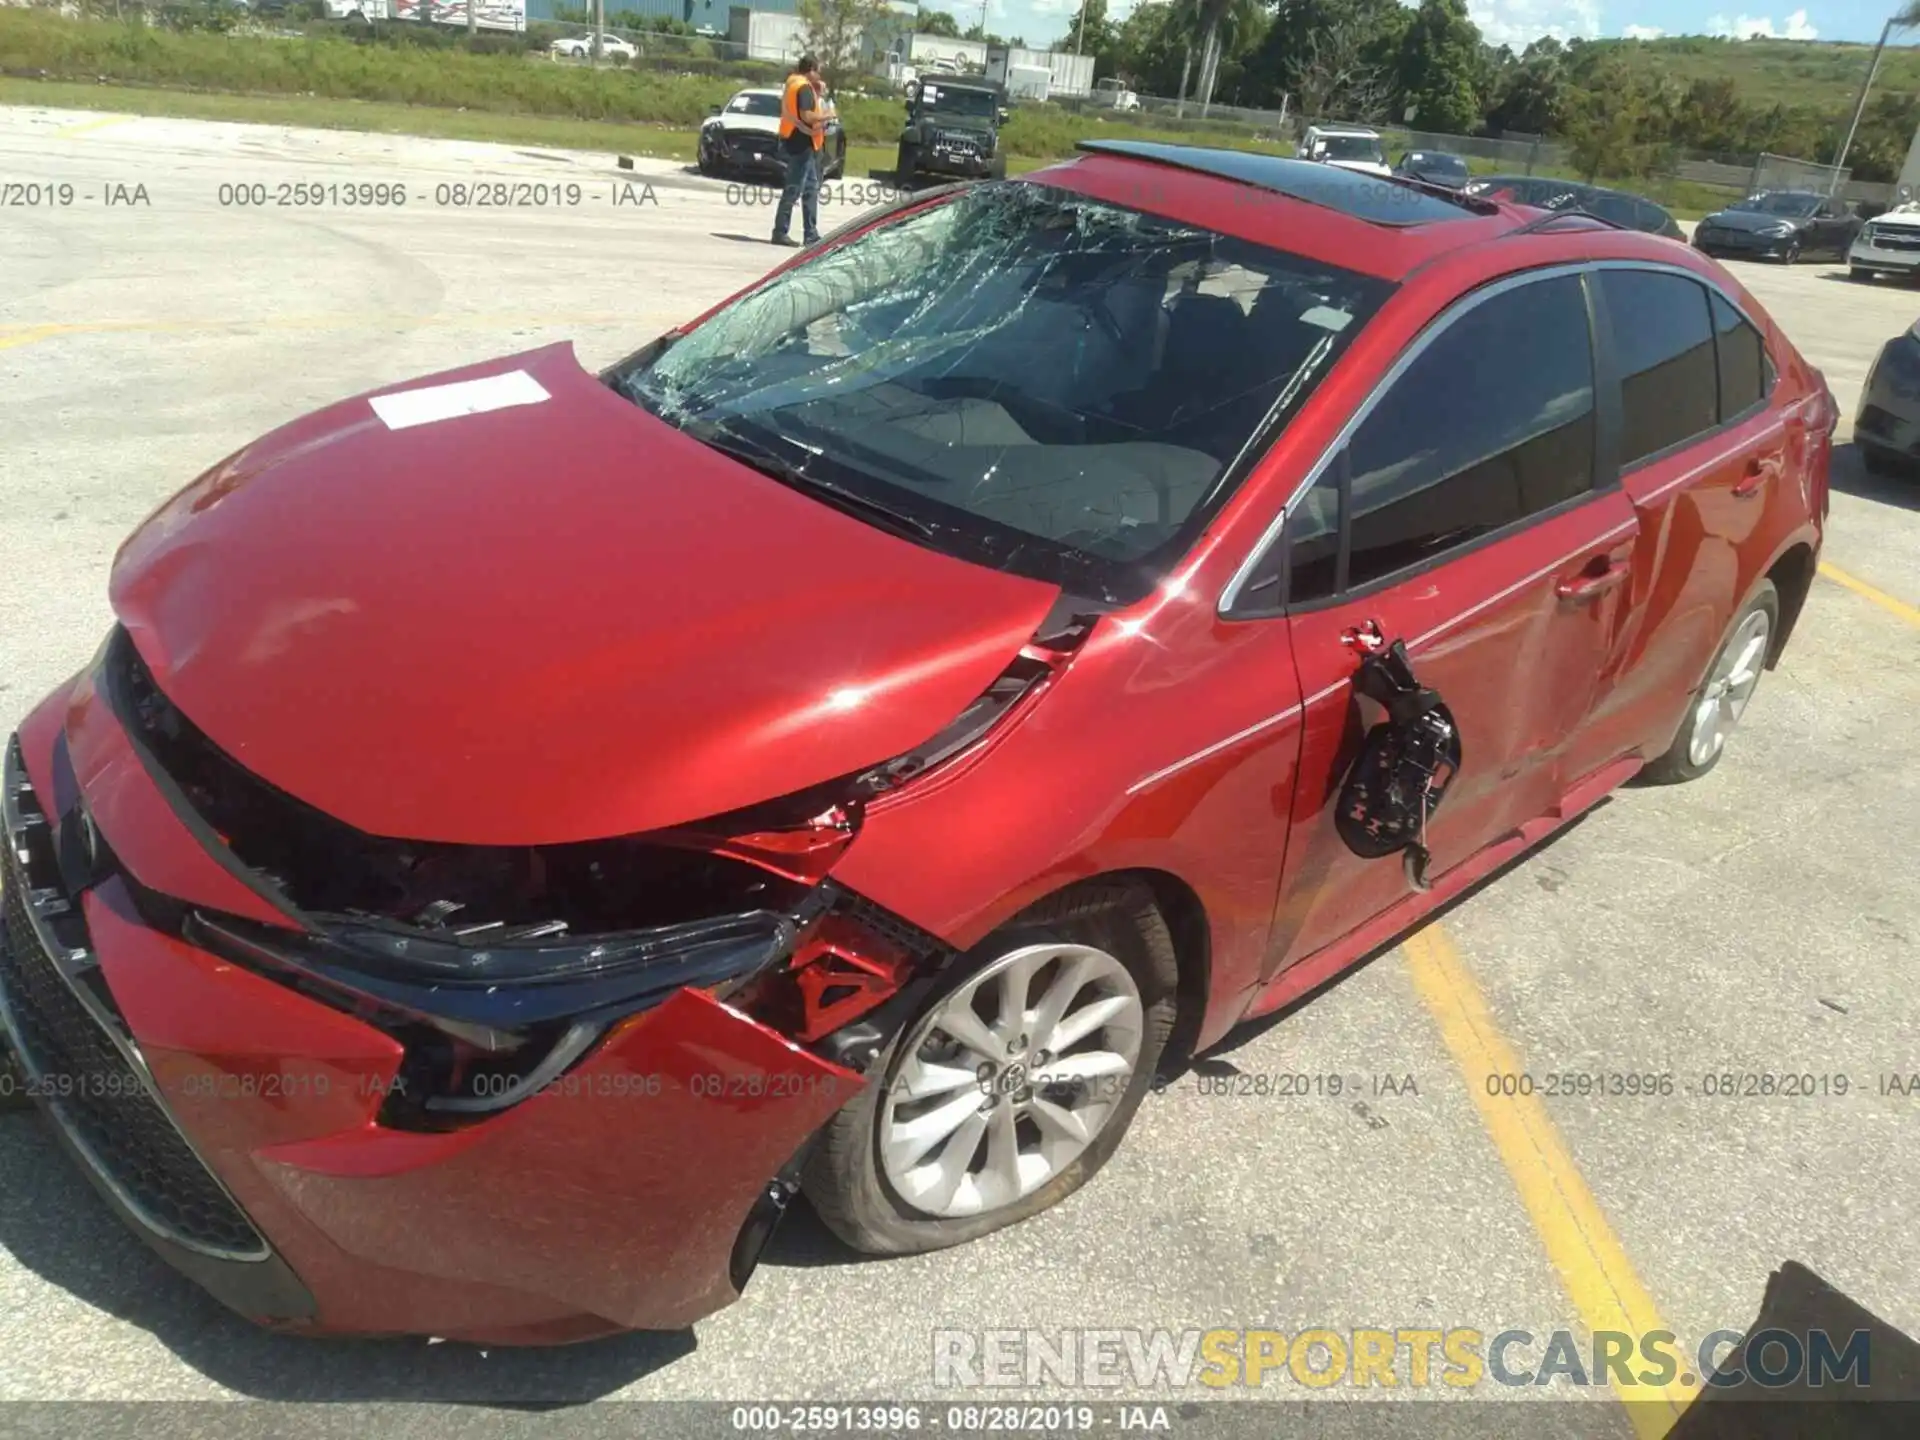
498 967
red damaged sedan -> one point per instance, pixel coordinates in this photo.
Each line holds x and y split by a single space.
526 825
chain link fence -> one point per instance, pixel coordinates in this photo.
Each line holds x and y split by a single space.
1782 172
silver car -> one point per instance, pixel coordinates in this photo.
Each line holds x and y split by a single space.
1888 244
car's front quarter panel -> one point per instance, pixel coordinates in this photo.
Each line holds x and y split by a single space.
1119 766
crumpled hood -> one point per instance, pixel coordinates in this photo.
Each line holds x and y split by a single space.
558 619
1750 222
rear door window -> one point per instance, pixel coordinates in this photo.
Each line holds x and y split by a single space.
1664 350
1492 423
1745 373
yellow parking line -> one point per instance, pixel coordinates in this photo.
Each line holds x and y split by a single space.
1866 592
86 126
1592 1265
29 336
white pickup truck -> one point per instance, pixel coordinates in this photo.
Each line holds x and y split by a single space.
1111 94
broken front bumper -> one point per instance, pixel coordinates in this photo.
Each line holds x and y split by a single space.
233 1121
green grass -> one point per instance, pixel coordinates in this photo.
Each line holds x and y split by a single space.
328 81
1824 76
376 117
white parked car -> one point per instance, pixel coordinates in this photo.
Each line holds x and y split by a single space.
1888 244
1111 94
1351 147
580 47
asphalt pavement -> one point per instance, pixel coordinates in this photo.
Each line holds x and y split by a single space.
1761 922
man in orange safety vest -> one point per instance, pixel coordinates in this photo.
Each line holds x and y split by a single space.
803 129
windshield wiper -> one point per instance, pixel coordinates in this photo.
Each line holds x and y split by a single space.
775 466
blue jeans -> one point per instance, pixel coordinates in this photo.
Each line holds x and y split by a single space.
803 183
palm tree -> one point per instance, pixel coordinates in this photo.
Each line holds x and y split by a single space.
1908 17
1221 22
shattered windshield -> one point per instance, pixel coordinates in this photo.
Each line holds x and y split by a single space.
1026 377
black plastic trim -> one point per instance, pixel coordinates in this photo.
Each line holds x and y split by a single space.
264 1290
107 682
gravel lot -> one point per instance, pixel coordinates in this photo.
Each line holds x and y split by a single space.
1760 921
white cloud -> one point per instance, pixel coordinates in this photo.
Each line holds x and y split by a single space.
1643 32
1520 22
1749 27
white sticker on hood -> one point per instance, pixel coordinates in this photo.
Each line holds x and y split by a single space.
406 408
1327 318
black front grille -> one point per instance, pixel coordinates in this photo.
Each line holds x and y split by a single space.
1896 239
100 1099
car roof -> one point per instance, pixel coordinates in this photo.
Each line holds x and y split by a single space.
1378 226
1371 134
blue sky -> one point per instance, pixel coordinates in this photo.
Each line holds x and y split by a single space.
1515 22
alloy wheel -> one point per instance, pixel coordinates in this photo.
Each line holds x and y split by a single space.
1010 1078
1729 687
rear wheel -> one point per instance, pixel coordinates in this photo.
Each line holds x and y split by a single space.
1012 1086
1722 698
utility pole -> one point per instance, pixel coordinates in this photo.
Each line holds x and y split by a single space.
1859 105
599 27
473 18
1080 30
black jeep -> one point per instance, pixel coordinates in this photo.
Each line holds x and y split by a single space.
952 130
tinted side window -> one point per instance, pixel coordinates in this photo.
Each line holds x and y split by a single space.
1620 209
1491 423
1743 366
1664 349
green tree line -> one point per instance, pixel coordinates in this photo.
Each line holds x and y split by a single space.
1619 107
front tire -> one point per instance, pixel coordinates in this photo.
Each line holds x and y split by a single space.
1012 1086
1859 276
1716 707
905 163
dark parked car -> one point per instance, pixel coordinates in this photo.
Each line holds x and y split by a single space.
1436 167
1887 429
952 131
1636 212
1780 225
743 138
